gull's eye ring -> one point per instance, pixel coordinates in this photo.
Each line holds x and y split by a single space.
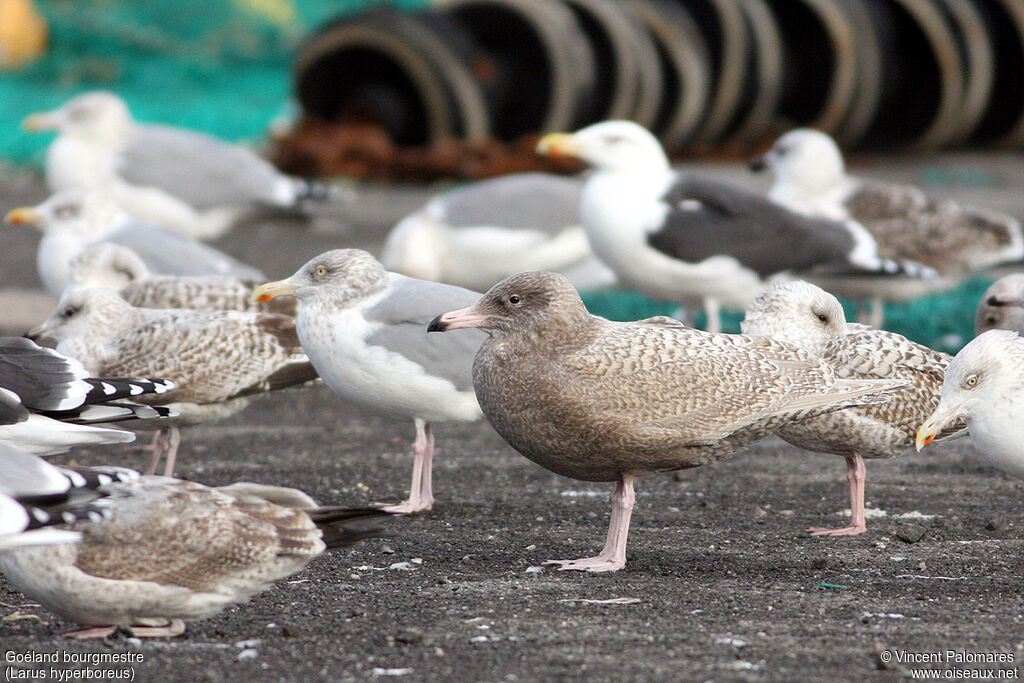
971 381
320 271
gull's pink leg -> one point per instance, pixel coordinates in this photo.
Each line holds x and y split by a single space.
173 441
855 474
95 632
423 452
158 451
613 556
426 483
175 628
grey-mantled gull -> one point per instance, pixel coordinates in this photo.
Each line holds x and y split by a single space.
483 232
1002 305
364 331
218 360
49 403
187 181
805 315
171 551
72 220
119 268
683 238
954 240
597 400
36 497
984 387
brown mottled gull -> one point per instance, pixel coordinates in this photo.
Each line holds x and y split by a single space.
984 386
116 267
171 551
1002 305
217 360
363 329
597 400
805 315
953 239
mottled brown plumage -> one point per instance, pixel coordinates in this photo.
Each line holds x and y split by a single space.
805 315
598 400
215 358
117 267
171 551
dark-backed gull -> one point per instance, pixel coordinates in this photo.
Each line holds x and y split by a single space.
184 180
364 331
984 387
607 401
680 237
954 240
807 316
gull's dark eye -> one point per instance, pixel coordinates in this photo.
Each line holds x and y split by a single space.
822 317
69 311
514 299
67 211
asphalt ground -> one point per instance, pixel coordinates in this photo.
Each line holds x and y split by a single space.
722 583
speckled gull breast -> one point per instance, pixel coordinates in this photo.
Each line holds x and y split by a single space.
73 220
954 240
483 232
597 400
218 360
984 386
187 181
683 238
805 315
49 404
167 551
364 331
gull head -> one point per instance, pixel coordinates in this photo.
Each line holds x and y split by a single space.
985 376
83 314
93 116
107 265
342 277
1002 305
804 158
85 215
617 146
796 312
537 304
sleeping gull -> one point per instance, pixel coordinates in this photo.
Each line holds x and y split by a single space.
73 220
483 232
1002 305
36 497
187 181
683 238
171 551
807 316
364 331
954 240
606 401
217 360
984 387
113 266
48 402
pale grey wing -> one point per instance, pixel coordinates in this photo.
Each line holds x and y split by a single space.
26 475
403 315
200 169
168 253
541 201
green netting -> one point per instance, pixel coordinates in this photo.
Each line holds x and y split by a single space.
221 66
943 321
